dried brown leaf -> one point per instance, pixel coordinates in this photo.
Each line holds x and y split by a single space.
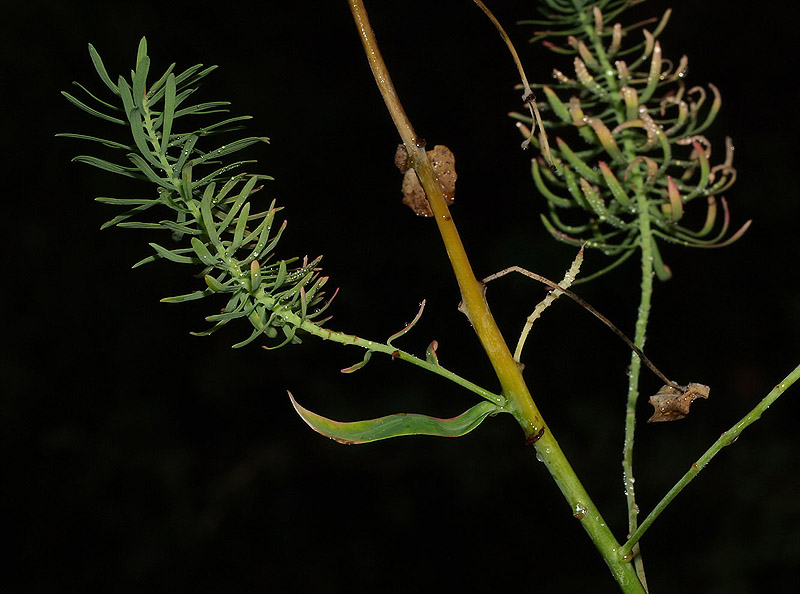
444 165
672 404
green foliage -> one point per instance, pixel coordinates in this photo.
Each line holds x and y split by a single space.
397 425
214 222
629 137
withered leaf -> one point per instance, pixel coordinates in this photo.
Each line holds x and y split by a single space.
444 165
401 158
672 404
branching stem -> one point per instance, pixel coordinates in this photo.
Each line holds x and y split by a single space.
395 353
561 288
474 305
727 438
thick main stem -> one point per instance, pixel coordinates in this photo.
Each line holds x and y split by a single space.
474 305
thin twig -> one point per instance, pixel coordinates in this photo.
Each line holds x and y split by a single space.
565 283
527 96
591 310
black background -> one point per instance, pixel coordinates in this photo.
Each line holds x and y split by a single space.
137 457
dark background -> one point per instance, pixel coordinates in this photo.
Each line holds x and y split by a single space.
137 457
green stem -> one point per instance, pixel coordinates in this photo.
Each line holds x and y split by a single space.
474 305
394 352
646 246
727 438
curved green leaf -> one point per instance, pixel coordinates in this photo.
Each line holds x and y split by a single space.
357 432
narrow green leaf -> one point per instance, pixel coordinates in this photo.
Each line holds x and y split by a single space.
169 112
606 139
187 149
105 104
134 115
598 206
149 173
91 110
238 234
571 181
127 201
101 70
218 174
203 108
311 297
191 75
202 252
232 147
108 166
557 106
220 126
178 228
141 52
579 165
103 141
570 229
263 236
614 185
397 425
542 187
654 76
245 193
188 297
215 285
226 317
174 256
255 276
208 218
157 89
141 225
140 82
267 248
256 333
663 271
559 235
144 261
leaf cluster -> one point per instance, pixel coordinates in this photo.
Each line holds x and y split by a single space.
213 221
629 136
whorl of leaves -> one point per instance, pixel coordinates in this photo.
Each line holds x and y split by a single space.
213 222
627 128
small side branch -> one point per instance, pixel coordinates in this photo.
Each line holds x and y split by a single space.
527 95
727 438
558 288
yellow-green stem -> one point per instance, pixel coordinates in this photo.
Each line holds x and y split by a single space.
474 305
